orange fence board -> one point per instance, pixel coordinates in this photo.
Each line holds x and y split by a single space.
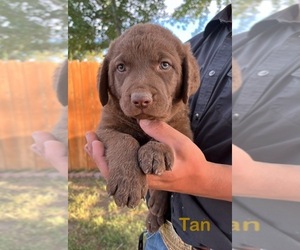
84 111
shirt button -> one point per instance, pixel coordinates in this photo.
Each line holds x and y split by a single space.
236 116
197 116
263 73
211 73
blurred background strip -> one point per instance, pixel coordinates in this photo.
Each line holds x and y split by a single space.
27 103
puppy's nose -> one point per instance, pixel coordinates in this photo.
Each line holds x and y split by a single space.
141 100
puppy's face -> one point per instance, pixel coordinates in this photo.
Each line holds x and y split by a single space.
147 70
147 76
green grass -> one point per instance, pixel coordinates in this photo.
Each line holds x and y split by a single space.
96 223
33 213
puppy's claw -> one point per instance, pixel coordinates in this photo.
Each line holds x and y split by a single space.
157 172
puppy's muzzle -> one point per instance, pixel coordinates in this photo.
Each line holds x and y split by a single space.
141 100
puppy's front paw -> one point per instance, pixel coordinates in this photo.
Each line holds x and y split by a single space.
155 158
127 190
154 222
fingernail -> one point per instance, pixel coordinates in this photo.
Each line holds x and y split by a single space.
35 149
34 135
86 148
145 122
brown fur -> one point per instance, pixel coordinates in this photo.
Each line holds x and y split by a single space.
145 90
60 130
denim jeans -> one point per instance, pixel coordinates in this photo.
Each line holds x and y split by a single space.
154 241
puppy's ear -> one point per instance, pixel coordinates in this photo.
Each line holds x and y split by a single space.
190 74
61 83
102 82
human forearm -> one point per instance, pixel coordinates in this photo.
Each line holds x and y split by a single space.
218 182
209 180
264 180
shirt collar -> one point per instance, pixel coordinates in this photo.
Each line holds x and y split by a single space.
288 15
223 16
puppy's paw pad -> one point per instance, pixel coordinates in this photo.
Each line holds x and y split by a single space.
155 158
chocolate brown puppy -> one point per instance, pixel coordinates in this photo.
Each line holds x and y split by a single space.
147 74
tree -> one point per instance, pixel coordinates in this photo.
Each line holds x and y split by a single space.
195 11
32 26
94 23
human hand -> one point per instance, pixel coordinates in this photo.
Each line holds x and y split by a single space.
191 172
188 158
95 149
52 150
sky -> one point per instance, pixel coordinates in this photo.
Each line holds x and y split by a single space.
265 9
184 35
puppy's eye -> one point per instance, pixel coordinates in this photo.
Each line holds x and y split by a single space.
164 65
121 67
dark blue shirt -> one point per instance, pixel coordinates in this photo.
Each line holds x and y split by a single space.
211 124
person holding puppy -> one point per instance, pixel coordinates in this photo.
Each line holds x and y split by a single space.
200 180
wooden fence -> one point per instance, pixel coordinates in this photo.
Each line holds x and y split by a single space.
84 111
27 103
